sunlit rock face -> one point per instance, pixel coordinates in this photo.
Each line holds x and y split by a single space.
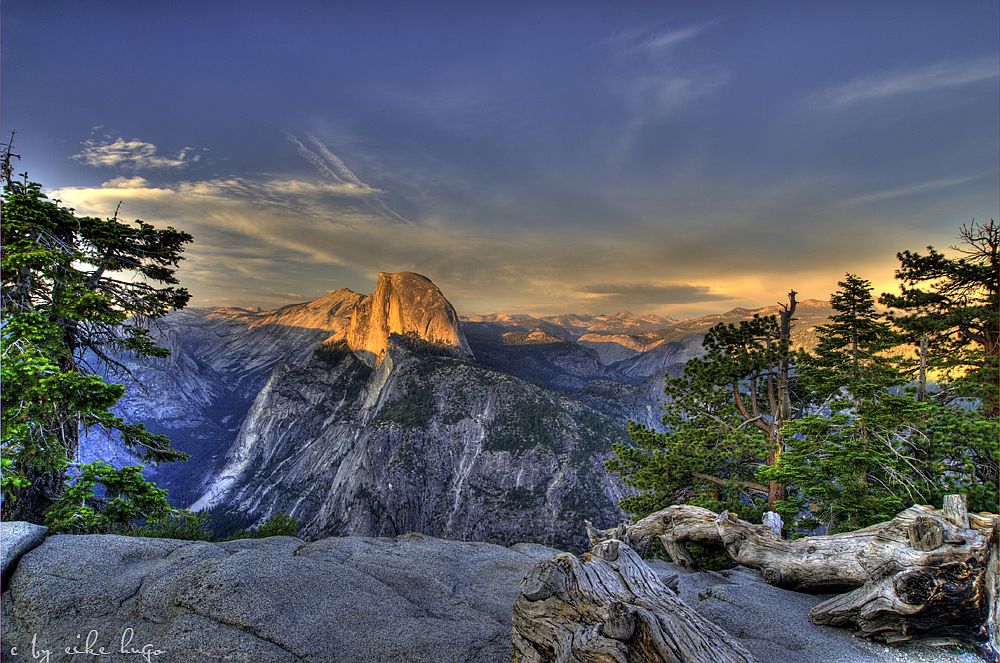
404 303
332 313
221 358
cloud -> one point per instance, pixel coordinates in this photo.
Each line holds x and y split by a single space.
132 154
658 96
277 189
653 89
126 183
259 238
652 99
913 189
333 167
654 85
651 294
935 76
644 40
345 173
670 38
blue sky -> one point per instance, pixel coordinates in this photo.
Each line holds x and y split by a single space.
664 157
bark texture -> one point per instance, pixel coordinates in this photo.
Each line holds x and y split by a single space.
609 606
928 575
33 501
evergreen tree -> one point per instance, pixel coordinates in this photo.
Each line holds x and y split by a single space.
861 465
864 452
77 292
954 302
853 352
723 420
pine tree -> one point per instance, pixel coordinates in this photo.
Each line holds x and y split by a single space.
954 302
843 461
723 420
865 450
77 293
853 352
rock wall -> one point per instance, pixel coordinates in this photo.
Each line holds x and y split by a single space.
422 442
404 303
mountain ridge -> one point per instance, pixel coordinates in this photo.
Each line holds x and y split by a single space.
318 407
433 443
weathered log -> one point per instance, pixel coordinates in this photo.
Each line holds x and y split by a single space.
927 575
943 593
609 606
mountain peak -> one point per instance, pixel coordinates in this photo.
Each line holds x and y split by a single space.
329 312
404 303
405 276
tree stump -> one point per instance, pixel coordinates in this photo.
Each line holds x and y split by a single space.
927 575
608 606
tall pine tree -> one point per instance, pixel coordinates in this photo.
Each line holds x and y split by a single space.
865 450
77 293
853 353
954 302
723 420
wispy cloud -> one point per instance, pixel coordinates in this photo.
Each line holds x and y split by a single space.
314 199
256 238
131 154
653 83
913 189
935 76
654 98
333 167
661 41
653 41
657 96
126 183
650 295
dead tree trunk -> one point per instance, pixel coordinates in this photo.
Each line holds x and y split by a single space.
776 491
927 575
922 371
609 607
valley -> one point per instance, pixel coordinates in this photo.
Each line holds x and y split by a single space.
387 413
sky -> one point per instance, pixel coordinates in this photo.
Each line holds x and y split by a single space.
676 158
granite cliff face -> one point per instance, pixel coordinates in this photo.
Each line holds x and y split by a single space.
423 442
332 313
404 303
368 415
219 360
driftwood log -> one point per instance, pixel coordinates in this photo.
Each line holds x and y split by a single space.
928 575
608 606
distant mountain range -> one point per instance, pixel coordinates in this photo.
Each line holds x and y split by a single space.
629 347
622 335
385 413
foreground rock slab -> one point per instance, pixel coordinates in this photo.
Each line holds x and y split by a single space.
411 598
16 538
